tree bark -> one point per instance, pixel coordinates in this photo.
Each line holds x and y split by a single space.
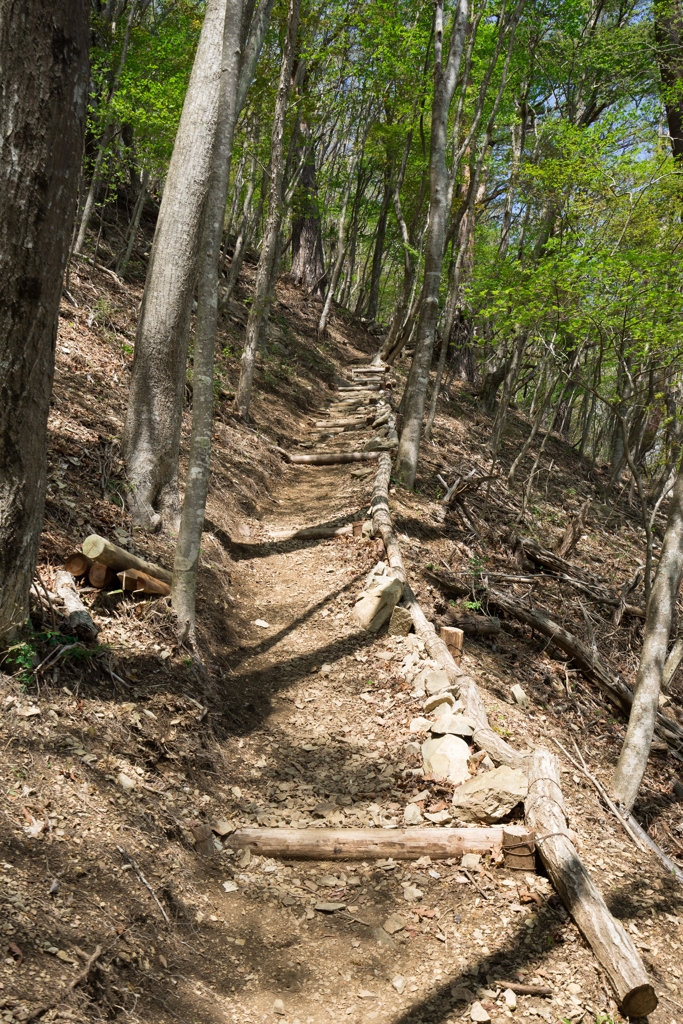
380 235
265 272
668 18
43 84
152 429
632 763
308 265
151 437
444 86
188 546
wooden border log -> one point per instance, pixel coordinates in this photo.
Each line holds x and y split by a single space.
366 843
100 575
608 939
77 564
348 421
142 583
101 550
592 665
473 625
79 619
313 533
331 458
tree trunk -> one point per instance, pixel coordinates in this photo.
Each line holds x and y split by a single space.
632 763
151 437
107 136
376 272
134 225
250 222
152 429
43 82
668 17
308 266
260 307
341 252
444 87
188 546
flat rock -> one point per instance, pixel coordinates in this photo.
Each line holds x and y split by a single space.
377 604
444 701
399 983
470 861
439 817
490 796
329 908
510 999
412 815
520 696
456 725
411 893
432 680
478 1013
446 758
394 924
421 724
401 622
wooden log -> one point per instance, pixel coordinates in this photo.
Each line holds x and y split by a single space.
100 575
474 625
607 937
519 849
332 458
101 550
366 843
77 564
348 421
313 533
591 664
453 639
79 620
524 990
142 583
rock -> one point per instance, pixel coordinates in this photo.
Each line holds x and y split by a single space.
377 604
126 784
454 725
412 815
411 748
411 893
478 1013
439 817
394 924
446 758
470 861
365 993
432 680
329 908
230 886
262 623
420 725
490 796
279 1008
445 701
520 696
222 827
462 994
382 938
573 988
510 999
399 983
401 622
325 670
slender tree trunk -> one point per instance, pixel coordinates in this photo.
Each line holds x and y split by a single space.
152 428
260 306
151 437
250 222
376 273
134 225
107 136
341 252
444 87
308 265
632 762
197 484
43 85
668 18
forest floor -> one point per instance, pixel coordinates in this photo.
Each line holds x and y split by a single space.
301 719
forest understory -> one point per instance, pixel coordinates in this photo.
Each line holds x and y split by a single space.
113 752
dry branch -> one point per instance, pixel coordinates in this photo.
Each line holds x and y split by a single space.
332 458
312 533
79 620
101 550
607 937
591 664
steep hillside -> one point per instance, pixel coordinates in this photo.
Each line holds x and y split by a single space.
114 754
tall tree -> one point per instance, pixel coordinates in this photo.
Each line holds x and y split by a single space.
445 78
153 420
43 92
270 246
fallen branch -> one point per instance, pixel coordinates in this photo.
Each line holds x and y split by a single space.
524 990
331 458
101 550
144 881
611 944
474 625
79 620
366 843
74 983
592 665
